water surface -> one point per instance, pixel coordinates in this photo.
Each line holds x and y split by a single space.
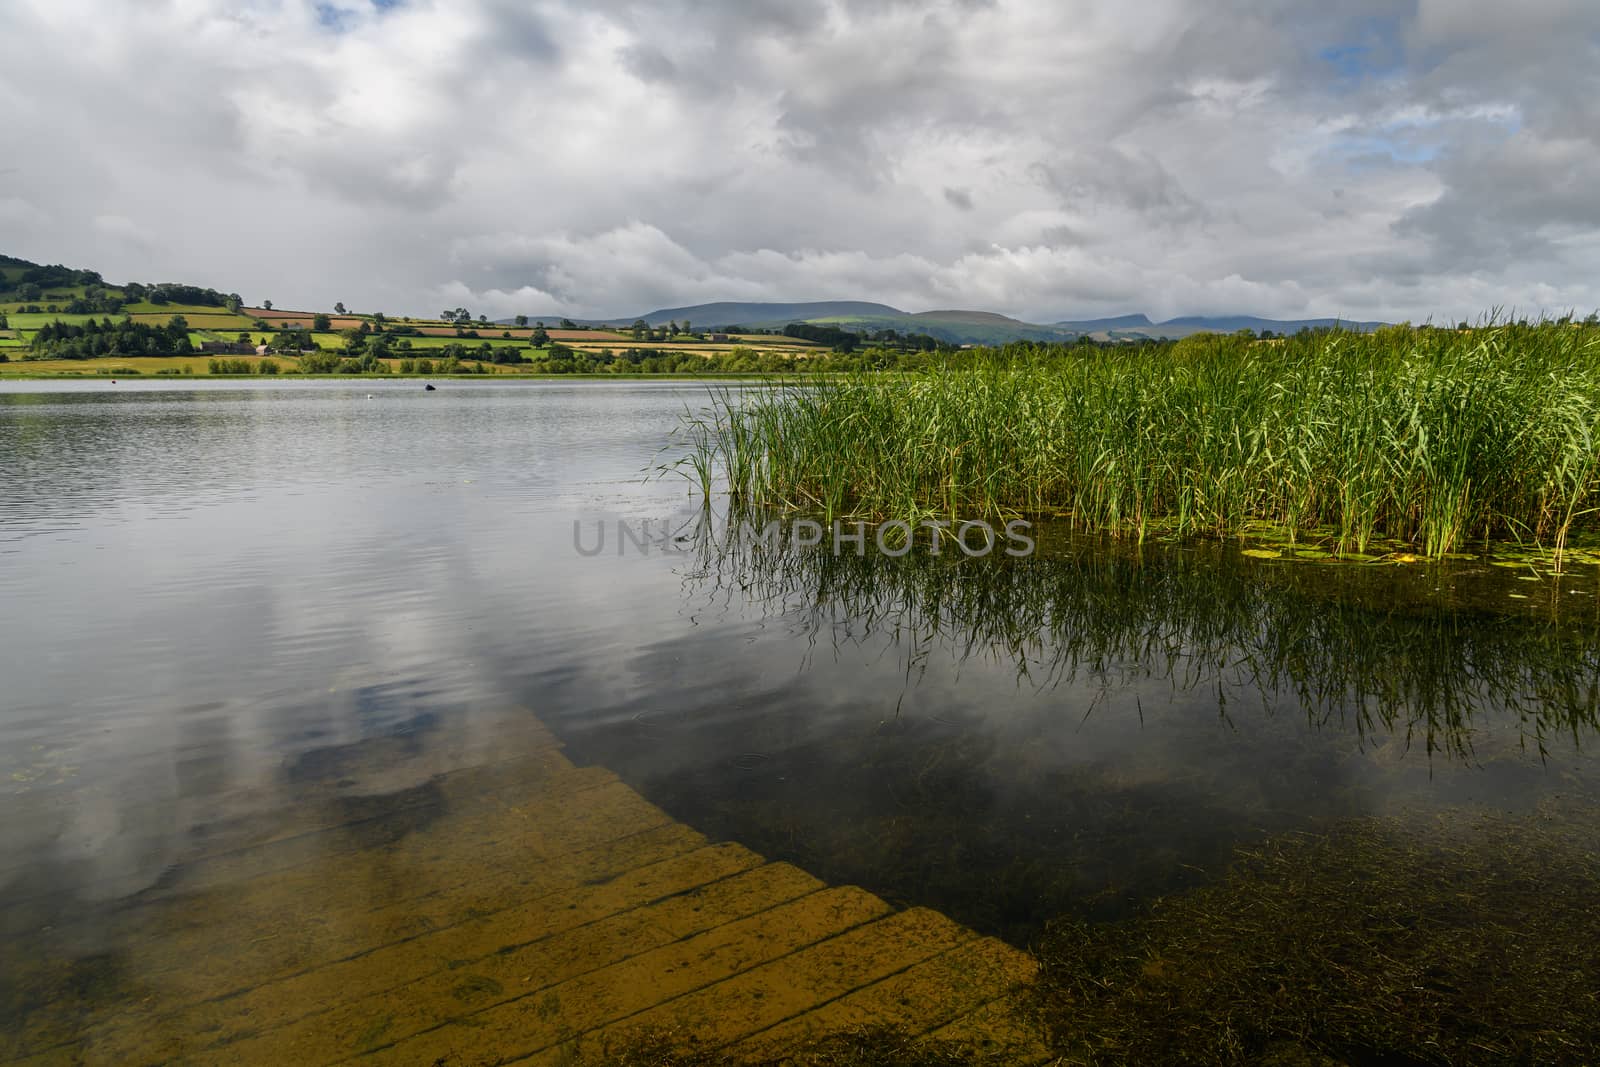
221 598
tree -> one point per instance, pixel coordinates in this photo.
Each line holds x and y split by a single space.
29 291
568 324
233 303
321 322
267 304
60 340
339 308
540 337
522 321
640 329
686 326
293 340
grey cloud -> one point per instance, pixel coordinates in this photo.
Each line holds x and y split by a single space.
1515 199
648 63
1121 178
1033 157
511 29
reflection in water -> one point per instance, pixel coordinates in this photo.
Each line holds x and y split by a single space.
1376 650
1012 740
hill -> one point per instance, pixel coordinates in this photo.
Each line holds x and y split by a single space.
960 326
1132 327
1117 322
747 314
84 292
957 327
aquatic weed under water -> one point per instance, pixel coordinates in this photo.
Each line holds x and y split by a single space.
1470 941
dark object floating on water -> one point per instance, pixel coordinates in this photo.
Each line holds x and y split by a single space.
428 388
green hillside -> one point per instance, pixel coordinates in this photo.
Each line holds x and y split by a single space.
956 327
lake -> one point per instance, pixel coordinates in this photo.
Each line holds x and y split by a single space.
231 608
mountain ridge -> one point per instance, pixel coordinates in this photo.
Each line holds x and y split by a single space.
960 326
953 325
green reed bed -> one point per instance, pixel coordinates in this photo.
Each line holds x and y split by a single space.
1435 438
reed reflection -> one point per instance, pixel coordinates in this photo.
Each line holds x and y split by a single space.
1435 655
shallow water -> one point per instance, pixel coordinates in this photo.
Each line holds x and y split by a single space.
224 601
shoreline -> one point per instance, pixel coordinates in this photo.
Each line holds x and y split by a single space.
718 376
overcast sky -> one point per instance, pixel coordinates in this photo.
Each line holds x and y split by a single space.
1043 158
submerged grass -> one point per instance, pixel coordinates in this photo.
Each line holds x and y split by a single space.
1454 944
862 1047
1434 438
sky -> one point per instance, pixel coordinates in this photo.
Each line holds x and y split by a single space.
1420 160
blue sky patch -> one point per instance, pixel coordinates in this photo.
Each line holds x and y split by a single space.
339 17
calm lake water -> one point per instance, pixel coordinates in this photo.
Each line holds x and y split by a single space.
220 596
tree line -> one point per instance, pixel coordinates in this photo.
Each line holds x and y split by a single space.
842 340
92 339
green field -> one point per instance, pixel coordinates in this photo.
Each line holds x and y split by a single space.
198 320
21 321
212 323
186 310
93 367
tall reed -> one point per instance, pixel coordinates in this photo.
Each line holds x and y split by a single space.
1435 438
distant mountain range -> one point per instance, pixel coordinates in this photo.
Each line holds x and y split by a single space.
957 327
1140 325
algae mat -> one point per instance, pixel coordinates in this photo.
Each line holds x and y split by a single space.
481 900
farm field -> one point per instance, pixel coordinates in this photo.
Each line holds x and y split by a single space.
196 320
144 307
94 367
278 318
33 321
366 337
